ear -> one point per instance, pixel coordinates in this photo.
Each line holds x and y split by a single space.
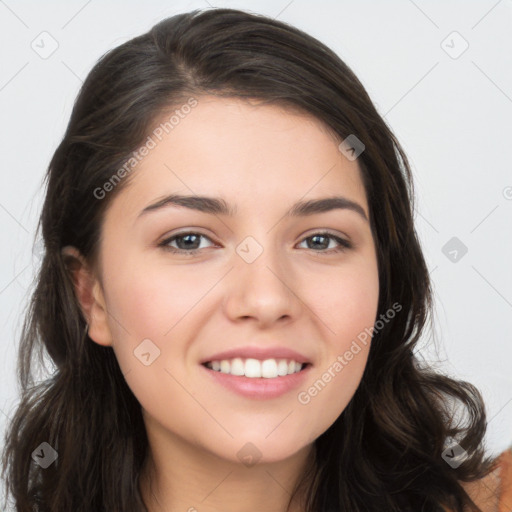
90 296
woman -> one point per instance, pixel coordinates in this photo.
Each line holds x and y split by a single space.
272 368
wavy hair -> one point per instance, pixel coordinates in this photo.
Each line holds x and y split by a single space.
384 451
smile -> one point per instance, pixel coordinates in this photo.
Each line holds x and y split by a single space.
254 368
257 386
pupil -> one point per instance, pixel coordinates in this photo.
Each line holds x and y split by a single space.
316 237
187 238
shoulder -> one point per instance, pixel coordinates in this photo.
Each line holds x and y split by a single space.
493 493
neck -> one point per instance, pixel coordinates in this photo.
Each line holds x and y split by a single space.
179 477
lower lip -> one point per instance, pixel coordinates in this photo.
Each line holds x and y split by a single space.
259 388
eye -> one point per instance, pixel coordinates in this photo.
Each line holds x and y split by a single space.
188 243
318 240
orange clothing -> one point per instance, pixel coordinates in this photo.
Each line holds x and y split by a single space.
494 492
505 500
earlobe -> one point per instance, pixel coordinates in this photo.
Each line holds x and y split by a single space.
99 330
90 296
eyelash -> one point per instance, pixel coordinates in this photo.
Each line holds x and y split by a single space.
344 244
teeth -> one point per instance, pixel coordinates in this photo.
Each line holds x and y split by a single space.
282 367
237 367
269 369
224 366
253 368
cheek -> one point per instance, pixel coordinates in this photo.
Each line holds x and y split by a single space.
156 310
151 310
149 302
346 301
347 308
143 307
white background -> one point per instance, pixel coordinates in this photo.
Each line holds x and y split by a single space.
453 117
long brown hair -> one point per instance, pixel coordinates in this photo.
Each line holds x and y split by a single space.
384 452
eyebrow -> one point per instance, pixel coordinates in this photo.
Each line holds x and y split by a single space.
218 206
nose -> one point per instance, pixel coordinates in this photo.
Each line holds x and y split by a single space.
264 290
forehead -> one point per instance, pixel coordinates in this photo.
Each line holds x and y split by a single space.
244 150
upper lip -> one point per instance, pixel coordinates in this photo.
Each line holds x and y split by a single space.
260 353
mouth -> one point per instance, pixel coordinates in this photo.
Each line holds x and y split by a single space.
256 369
257 380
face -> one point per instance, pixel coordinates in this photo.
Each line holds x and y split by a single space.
265 282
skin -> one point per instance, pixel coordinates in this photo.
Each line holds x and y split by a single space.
261 159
